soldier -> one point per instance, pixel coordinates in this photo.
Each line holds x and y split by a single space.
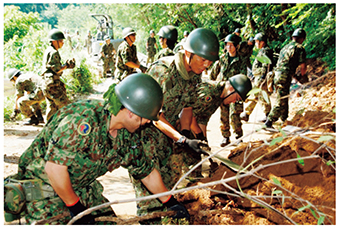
88 42
291 56
85 140
53 88
68 38
107 52
178 76
260 71
78 46
150 47
167 38
31 84
211 94
127 61
230 64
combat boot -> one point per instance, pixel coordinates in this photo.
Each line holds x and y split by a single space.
33 121
244 116
225 142
39 116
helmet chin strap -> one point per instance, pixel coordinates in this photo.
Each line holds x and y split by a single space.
229 95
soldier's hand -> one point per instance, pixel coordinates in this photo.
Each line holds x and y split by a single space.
78 208
195 145
71 63
181 211
143 68
14 114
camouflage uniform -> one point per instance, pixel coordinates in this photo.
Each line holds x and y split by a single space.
53 88
225 68
108 60
125 53
260 71
151 50
291 56
88 43
208 100
78 137
179 92
164 52
30 83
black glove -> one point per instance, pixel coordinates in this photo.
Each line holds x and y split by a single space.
15 114
76 209
196 145
143 68
174 205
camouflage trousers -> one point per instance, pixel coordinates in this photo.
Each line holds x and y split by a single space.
108 65
231 112
280 107
90 196
56 97
262 84
29 101
169 159
151 57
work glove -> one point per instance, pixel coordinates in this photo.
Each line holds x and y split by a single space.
14 114
78 208
71 63
174 205
193 144
143 68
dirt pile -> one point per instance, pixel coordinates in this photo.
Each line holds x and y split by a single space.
289 181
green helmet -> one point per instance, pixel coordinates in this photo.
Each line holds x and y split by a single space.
260 37
106 37
13 72
55 35
204 43
169 32
128 31
232 38
242 85
140 94
299 33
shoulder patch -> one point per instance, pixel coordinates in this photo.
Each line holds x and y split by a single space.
84 128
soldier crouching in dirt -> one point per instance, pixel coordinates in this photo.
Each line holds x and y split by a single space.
81 143
31 84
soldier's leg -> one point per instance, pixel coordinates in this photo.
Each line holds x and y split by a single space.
225 127
276 110
24 104
235 111
51 108
105 67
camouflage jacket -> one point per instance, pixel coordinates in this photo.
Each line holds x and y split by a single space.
107 49
51 61
125 53
179 86
228 66
78 137
151 45
164 52
260 69
291 56
29 82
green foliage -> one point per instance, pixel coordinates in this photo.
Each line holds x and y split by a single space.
81 81
111 97
17 23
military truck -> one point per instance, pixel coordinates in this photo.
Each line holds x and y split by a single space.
104 27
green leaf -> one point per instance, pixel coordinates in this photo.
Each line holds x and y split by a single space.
276 140
302 209
330 162
277 192
111 97
276 181
265 96
301 160
264 59
254 91
325 138
321 220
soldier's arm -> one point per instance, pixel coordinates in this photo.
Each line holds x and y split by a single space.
154 183
60 181
163 125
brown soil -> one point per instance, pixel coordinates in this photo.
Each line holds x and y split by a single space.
310 181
